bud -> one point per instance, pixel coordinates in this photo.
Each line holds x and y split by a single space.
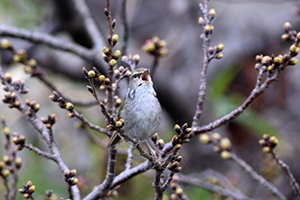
294 61
177 128
102 87
32 62
204 138
5 173
200 21
136 58
216 136
106 51
212 13
278 60
115 39
91 74
18 162
112 62
6 130
266 149
220 47
163 52
285 36
225 143
101 78
219 56
119 124
225 155
287 26
298 35
161 143
117 54
6 44
69 106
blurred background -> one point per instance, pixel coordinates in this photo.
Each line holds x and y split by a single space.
246 28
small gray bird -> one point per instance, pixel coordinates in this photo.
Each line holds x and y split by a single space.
140 109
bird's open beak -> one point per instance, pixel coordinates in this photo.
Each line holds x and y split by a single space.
146 77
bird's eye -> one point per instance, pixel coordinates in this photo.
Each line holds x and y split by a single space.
135 76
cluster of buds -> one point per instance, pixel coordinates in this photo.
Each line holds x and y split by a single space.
116 126
268 143
55 97
18 140
70 177
156 47
173 166
216 51
20 56
183 134
221 145
27 190
289 33
132 61
4 173
271 63
205 22
159 144
109 57
16 84
33 108
177 191
50 121
122 72
94 74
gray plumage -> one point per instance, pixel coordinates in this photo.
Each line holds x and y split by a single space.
140 109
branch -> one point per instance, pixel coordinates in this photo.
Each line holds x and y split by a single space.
223 192
39 152
89 24
52 41
247 168
205 62
285 168
102 190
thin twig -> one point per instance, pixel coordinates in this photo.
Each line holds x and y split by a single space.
39 152
205 63
248 169
286 169
198 182
89 124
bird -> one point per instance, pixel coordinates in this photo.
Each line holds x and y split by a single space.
140 110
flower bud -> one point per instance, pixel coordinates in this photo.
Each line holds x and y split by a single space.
6 44
225 155
204 138
225 143
201 21
115 39
112 62
117 54
91 74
